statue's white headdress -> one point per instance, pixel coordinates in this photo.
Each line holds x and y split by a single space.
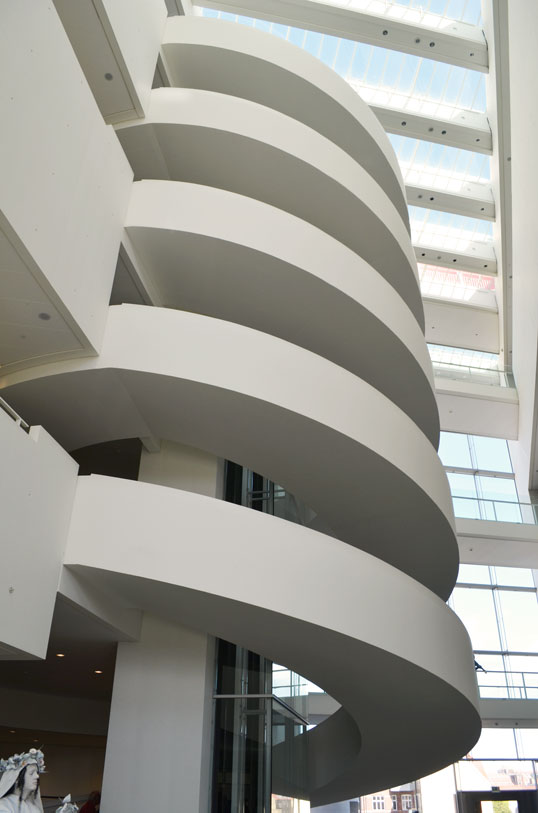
12 767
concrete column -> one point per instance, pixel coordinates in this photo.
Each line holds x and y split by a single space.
159 738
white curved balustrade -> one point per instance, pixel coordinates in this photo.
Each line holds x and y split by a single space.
373 637
321 432
253 264
226 58
209 138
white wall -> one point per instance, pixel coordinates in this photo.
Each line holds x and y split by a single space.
456 325
159 730
65 180
120 38
37 486
477 409
523 34
50 712
179 466
138 27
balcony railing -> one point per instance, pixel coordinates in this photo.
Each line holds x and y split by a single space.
474 375
13 415
508 685
495 510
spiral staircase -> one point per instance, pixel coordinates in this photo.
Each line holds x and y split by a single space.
285 334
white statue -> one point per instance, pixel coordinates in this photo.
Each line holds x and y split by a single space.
19 782
67 806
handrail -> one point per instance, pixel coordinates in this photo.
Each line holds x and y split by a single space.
514 686
495 510
479 375
14 415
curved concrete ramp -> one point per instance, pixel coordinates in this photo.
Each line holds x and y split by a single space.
226 58
321 432
211 251
375 639
198 136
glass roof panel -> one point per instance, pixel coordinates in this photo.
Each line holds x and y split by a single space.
384 77
449 231
430 13
459 355
439 166
451 283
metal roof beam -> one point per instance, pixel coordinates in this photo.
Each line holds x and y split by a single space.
456 43
474 200
479 258
467 130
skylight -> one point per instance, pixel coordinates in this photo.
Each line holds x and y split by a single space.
439 166
450 283
453 232
461 356
381 76
431 13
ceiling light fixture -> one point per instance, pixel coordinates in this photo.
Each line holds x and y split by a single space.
98 671
60 655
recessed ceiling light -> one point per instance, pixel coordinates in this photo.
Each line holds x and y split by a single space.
108 77
44 315
98 671
12 731
60 655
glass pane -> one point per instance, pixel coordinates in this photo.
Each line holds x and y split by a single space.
240 671
513 576
289 762
491 663
528 743
492 454
495 743
438 165
387 77
495 773
454 450
497 488
474 574
494 692
477 611
466 508
520 620
507 511
291 688
240 770
448 231
463 357
523 663
462 485
458 285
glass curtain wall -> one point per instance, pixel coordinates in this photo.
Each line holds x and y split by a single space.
499 608
260 754
481 478
260 722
